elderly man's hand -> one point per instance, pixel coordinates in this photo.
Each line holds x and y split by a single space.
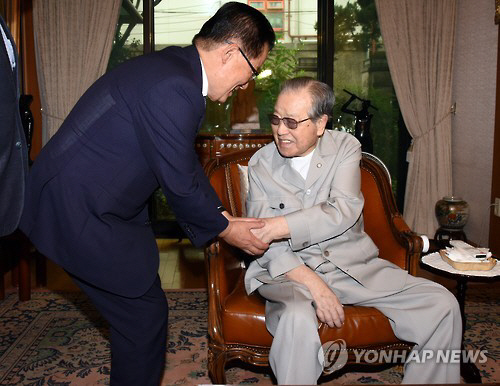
239 234
328 307
275 228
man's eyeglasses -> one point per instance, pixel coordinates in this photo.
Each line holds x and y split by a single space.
254 71
288 122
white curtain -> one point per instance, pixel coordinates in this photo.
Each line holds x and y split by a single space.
73 41
419 40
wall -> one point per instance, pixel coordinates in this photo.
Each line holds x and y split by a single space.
474 90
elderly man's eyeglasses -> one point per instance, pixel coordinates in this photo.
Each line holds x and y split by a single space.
254 71
288 122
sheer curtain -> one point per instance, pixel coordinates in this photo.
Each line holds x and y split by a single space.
73 40
419 40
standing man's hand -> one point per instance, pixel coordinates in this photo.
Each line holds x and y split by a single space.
239 234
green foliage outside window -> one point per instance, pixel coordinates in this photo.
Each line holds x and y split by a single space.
283 63
121 52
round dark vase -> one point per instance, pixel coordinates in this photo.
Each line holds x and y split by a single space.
452 212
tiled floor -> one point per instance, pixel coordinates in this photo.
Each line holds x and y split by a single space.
181 266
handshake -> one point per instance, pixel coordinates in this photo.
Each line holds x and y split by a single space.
254 235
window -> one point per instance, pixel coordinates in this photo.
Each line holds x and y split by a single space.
258 5
267 5
276 19
129 36
278 5
360 68
175 22
359 64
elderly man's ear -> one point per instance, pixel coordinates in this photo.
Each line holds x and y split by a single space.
322 124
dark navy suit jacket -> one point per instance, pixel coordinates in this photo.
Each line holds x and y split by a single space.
134 129
13 150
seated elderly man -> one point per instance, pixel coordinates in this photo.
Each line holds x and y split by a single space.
307 186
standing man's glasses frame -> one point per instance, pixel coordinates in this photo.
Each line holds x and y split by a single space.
254 71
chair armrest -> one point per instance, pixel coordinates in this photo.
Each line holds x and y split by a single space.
224 268
412 242
383 222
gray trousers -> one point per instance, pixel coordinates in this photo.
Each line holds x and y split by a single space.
422 312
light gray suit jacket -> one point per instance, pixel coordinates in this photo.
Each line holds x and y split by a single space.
323 212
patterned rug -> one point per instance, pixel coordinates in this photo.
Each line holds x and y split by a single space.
59 339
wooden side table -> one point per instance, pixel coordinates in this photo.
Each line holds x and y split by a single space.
434 263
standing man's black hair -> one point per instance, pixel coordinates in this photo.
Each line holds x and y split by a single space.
237 21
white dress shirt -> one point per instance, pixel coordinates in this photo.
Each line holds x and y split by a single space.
301 164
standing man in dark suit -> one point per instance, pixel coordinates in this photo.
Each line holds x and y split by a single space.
13 150
134 129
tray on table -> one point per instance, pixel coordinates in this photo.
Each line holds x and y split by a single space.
484 265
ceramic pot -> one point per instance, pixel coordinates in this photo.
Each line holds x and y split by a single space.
452 212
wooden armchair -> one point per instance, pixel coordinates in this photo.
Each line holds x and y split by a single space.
236 321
